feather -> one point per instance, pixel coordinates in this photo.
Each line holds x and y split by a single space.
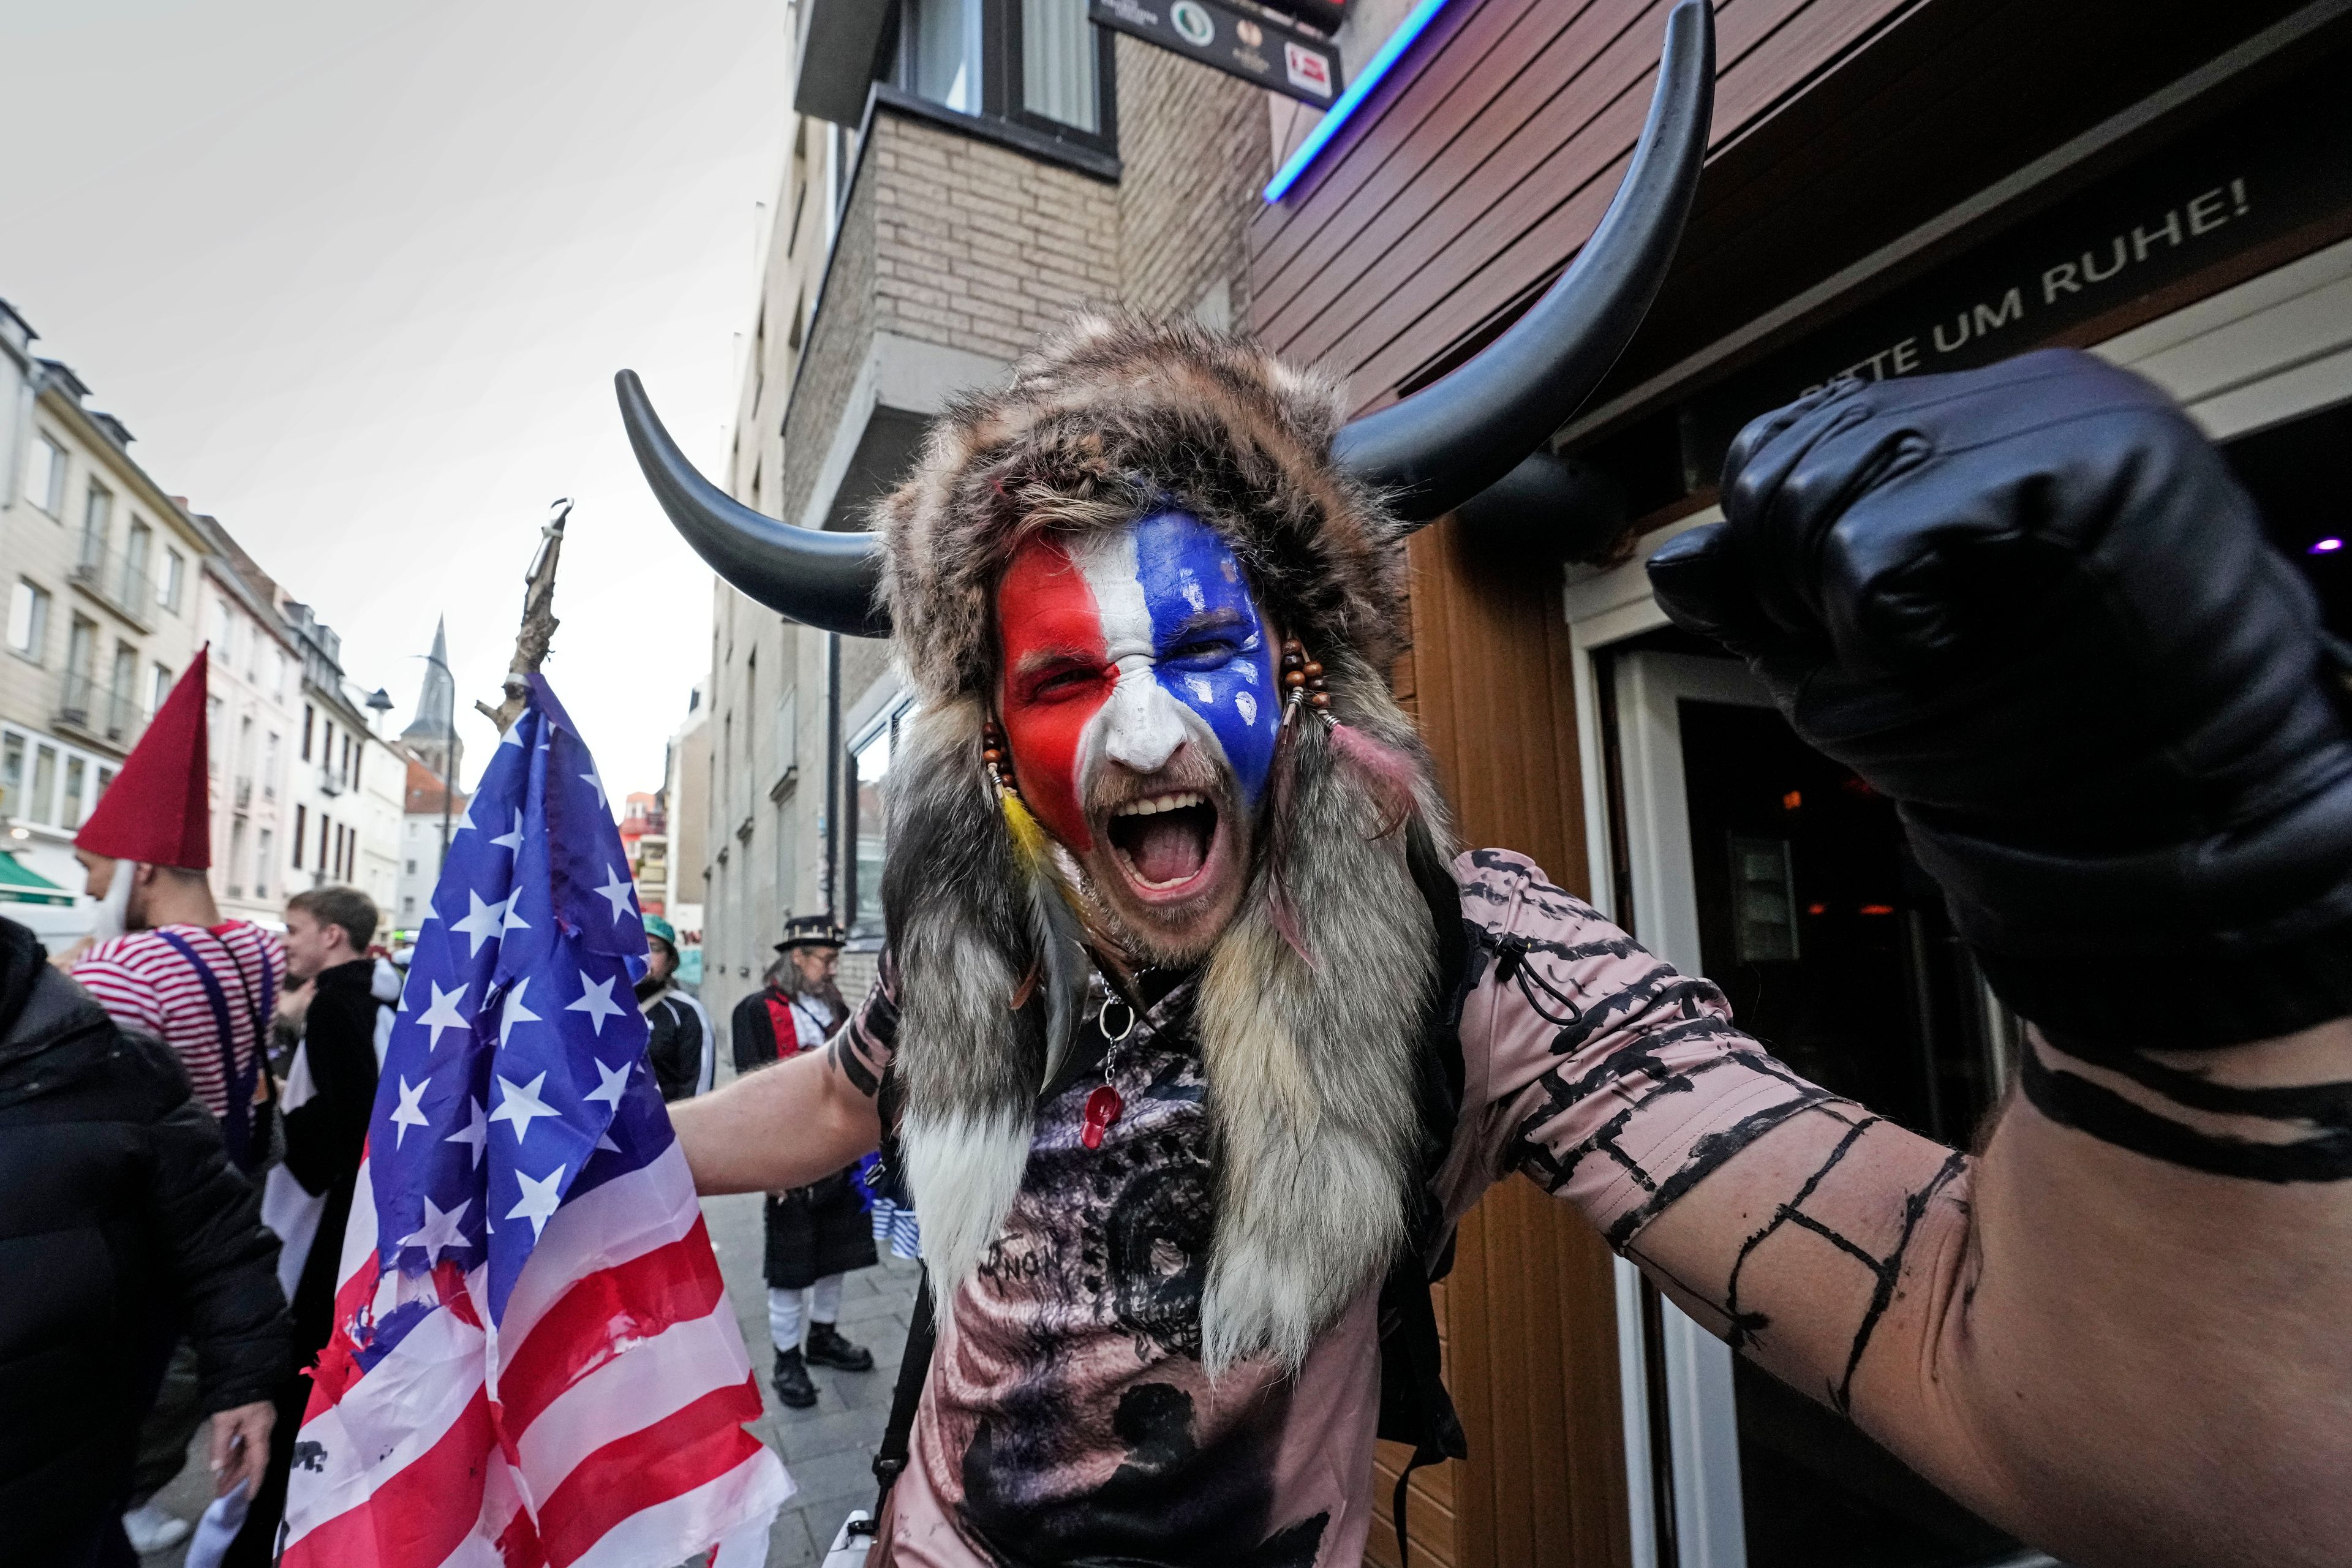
1389 774
1054 927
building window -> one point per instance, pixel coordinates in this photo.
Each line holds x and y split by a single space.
1039 63
45 784
105 777
301 824
236 858
309 713
130 584
221 626
168 581
11 775
159 687
44 476
97 517
1060 65
412 867
869 761
76 776
269 767
28 620
261 864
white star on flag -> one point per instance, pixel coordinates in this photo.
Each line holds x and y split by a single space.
593 782
439 1232
596 1001
512 1012
475 1134
483 922
511 841
408 1113
513 920
464 823
519 1105
615 1083
618 891
540 1199
443 1014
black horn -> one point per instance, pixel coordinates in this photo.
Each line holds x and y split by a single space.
821 579
1450 440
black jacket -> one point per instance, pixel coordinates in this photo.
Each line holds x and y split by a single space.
325 1134
123 1225
674 1043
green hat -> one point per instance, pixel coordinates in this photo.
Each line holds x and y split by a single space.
656 926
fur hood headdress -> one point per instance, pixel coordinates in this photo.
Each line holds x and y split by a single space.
1309 1008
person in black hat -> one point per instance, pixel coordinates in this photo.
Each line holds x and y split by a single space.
818 1233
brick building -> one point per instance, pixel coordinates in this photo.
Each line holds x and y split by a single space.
973 190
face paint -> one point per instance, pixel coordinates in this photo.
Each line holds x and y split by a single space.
1123 646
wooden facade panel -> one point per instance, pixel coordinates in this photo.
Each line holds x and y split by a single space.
1520 188
1528 1315
1560 105
1474 68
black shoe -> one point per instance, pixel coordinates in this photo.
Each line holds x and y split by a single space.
828 1348
792 1381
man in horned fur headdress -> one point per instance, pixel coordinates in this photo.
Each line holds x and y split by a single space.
1161 1339
1196 1034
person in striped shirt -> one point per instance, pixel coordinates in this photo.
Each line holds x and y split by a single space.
163 963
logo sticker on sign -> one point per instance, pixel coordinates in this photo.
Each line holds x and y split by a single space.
1193 22
1308 70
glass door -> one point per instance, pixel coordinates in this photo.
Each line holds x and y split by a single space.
1740 853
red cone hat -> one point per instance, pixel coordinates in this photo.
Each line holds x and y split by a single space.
159 811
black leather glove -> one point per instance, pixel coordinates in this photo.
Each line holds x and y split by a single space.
2030 605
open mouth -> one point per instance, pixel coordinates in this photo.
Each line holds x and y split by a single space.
1163 840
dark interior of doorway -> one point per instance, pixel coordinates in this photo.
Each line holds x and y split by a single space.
1836 953
2296 471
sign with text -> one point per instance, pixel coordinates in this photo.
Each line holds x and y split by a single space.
1257 49
2257 177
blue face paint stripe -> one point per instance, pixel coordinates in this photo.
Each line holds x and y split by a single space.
1192 581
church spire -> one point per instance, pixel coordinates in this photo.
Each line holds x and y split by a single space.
428 736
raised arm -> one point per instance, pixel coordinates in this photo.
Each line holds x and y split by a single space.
788 1124
2030 605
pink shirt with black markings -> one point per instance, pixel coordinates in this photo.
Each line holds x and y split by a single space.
1067 1415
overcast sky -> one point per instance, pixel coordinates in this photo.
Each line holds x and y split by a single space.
358 278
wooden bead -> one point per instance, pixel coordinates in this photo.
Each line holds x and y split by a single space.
1294 677
1319 699
992 755
1314 670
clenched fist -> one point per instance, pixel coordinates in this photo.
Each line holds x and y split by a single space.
2030 605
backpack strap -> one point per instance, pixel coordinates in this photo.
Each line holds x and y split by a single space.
898 1437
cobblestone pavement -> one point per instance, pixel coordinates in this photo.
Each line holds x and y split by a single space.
829 1448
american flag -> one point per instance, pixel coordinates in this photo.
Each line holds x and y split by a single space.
533 1359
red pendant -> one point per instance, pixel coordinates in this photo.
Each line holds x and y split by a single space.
1103 1107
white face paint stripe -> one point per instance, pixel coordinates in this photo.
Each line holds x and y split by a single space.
1140 726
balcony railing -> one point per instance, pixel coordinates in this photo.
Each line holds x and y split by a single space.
100 711
121 582
330 782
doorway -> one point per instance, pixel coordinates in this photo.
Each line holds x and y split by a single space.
1740 853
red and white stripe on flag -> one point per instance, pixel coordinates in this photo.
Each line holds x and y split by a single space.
600 1423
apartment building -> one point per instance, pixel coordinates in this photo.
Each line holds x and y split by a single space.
349 786
965 175
102 569
249 707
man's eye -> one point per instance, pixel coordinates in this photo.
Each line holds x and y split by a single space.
1063 684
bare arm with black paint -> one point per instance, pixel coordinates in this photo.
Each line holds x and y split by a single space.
800 1120
2030 605
2118 1357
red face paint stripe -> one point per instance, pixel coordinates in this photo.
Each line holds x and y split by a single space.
1044 606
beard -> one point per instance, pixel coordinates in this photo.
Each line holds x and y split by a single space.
112 917
1134 856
